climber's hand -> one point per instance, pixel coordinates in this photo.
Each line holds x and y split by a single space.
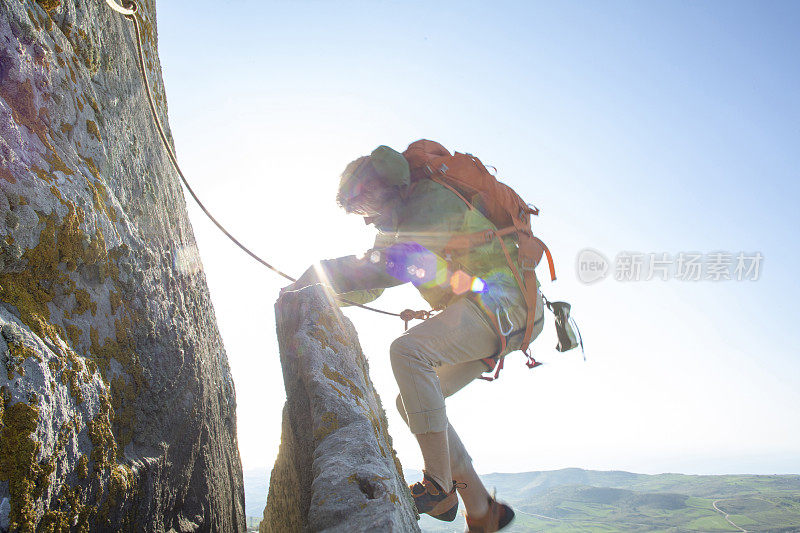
310 277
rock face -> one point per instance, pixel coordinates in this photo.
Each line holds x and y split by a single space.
336 468
117 409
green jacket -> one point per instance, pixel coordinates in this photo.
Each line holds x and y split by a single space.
424 216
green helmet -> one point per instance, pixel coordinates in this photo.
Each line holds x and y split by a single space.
391 166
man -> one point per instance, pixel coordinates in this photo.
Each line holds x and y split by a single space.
479 299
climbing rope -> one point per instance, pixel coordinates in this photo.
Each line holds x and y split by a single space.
128 10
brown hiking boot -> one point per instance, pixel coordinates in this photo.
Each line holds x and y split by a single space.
498 517
430 498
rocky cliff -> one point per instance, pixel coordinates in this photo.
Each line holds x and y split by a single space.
117 409
336 468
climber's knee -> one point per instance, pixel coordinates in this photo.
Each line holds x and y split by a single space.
399 350
407 355
400 356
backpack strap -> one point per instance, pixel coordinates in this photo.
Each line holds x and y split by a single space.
471 240
443 183
491 362
531 250
527 285
497 366
548 255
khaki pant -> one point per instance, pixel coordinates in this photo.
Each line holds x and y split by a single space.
441 355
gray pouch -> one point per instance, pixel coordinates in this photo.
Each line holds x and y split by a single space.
568 336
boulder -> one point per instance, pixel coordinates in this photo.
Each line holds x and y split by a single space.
117 408
336 468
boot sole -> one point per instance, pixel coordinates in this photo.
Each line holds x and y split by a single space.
508 518
446 510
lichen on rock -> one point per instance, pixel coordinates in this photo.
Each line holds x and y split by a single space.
100 331
18 461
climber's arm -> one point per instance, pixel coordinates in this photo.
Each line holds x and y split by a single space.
355 279
357 274
360 297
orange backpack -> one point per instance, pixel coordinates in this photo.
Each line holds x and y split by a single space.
467 177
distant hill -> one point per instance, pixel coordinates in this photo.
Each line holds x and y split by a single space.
256 484
585 500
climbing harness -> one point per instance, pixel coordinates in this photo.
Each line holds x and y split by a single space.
566 340
129 10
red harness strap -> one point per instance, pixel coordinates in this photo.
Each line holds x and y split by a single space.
499 366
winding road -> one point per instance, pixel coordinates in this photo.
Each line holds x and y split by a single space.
725 515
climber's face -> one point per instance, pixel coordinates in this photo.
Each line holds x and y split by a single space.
368 198
361 191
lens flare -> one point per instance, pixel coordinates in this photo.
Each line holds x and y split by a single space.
329 294
478 285
460 282
410 261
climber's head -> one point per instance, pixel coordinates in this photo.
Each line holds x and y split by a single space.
369 183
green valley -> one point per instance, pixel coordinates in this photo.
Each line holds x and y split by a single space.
573 500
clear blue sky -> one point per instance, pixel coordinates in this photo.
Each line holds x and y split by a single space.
650 127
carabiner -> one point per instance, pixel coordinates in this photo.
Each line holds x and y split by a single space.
504 333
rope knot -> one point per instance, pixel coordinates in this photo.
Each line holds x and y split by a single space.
408 315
